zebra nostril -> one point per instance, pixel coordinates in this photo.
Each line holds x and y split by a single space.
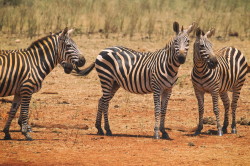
81 62
212 62
68 67
181 59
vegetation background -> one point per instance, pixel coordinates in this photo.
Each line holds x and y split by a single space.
149 18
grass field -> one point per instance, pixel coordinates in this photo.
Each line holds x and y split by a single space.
151 19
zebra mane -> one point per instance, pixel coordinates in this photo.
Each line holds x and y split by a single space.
169 43
41 39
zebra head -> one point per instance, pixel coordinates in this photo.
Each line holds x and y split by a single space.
204 48
181 41
68 50
68 67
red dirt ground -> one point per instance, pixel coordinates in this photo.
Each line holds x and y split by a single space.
63 114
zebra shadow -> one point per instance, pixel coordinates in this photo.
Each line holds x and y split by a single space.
19 131
128 136
209 132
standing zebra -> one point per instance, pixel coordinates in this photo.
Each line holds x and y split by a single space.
23 71
217 73
141 73
68 67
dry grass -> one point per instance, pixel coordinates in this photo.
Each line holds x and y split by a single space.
123 17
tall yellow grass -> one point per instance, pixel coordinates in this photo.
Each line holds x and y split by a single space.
123 17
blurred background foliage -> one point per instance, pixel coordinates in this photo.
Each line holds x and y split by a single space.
148 18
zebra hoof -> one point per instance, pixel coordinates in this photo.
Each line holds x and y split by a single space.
7 137
28 138
100 133
224 130
109 133
197 132
220 133
165 136
156 136
234 131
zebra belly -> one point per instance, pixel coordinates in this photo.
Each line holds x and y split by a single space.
7 87
135 84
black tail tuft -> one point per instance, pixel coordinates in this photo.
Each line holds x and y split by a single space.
248 69
85 71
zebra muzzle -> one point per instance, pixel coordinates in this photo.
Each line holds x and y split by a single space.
81 62
181 58
212 62
68 67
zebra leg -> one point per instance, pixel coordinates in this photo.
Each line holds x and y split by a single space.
25 115
157 113
226 103
103 108
164 102
200 99
99 117
12 113
217 112
106 120
114 89
236 95
20 124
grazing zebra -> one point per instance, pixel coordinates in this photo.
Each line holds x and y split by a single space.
23 71
141 73
217 73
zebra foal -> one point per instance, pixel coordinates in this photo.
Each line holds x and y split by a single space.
217 73
141 73
23 71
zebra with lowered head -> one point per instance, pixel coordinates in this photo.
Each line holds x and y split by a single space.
141 73
217 73
23 71
68 68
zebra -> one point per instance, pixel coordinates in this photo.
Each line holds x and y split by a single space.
217 73
68 68
23 71
141 73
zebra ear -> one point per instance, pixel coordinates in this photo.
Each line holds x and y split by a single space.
65 31
191 27
176 27
198 32
71 31
210 33
182 28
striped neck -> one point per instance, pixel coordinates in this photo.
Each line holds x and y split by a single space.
45 53
199 65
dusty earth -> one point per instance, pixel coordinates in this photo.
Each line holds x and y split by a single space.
63 112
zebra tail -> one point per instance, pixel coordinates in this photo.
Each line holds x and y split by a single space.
85 71
248 69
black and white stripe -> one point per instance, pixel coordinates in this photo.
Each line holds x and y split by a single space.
23 71
141 73
217 73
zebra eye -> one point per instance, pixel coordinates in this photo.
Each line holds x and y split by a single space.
68 45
